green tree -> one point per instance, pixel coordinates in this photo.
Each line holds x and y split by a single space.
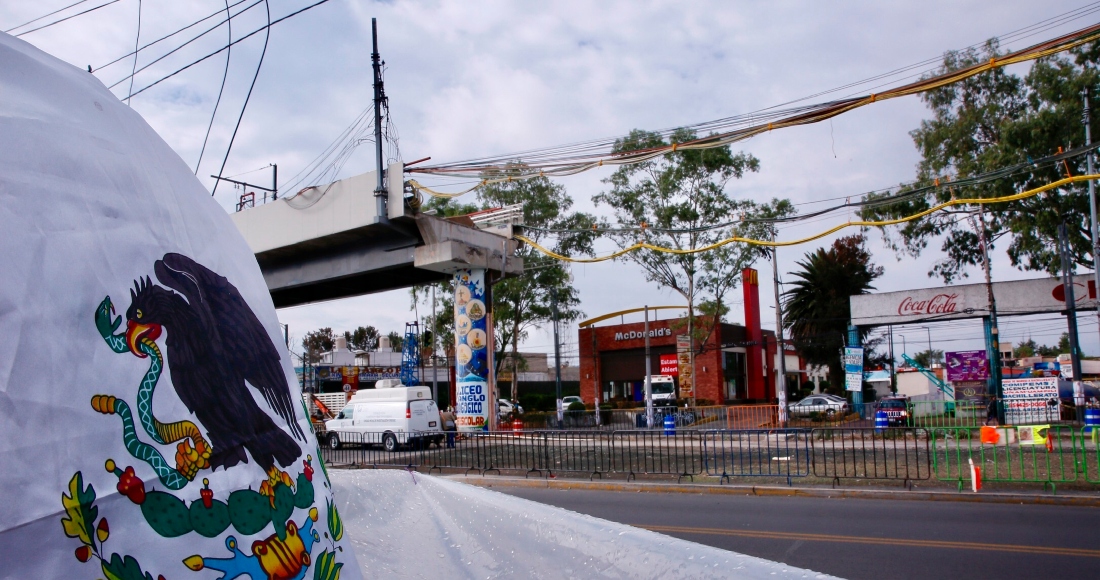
397 342
678 200
816 308
986 123
927 358
317 342
362 338
1025 349
525 302
522 303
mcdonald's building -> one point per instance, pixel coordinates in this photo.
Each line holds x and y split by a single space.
733 363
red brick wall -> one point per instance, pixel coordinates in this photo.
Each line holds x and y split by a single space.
708 365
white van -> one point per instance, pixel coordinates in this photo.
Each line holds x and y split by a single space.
390 414
664 390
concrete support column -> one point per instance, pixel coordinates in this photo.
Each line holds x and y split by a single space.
474 402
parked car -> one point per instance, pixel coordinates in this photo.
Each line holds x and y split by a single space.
507 408
827 406
896 409
566 401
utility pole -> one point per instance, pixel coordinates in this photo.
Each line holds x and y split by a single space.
893 365
992 337
781 380
648 375
435 354
1071 310
1092 203
557 355
379 100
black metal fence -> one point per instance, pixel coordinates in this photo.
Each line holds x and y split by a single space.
1047 454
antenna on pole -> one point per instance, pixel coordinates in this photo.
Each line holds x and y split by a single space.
379 100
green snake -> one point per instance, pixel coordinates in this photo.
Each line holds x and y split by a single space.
162 433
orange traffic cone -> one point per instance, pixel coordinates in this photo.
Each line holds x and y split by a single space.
975 476
517 427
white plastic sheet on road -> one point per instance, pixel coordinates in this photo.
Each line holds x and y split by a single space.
405 525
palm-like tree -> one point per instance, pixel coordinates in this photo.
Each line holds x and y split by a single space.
816 307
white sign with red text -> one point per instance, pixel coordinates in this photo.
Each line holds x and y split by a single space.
970 301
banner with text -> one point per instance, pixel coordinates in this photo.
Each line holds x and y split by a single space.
853 368
967 365
471 352
1031 400
683 358
970 301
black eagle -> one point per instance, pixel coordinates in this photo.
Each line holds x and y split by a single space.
216 348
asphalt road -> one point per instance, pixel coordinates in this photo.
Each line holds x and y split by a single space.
863 539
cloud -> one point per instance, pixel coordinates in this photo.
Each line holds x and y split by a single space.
468 79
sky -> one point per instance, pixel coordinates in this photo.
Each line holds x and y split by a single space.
469 79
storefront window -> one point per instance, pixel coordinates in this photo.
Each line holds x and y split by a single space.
734 375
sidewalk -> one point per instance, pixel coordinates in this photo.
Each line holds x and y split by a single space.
1067 498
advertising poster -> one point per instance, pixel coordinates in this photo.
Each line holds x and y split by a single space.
967 365
471 351
683 359
367 374
1031 400
670 365
853 368
974 391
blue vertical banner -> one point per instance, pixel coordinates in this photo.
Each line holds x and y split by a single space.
853 368
471 351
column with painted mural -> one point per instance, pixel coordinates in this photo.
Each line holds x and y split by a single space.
473 404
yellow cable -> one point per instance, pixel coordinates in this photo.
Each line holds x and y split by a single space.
770 243
947 79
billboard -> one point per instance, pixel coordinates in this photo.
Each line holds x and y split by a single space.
967 365
853 368
970 301
1031 400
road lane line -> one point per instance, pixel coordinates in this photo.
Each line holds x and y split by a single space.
1047 550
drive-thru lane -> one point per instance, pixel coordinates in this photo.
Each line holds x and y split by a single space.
856 538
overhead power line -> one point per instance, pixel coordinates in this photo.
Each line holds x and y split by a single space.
65 18
226 47
79 2
776 243
573 159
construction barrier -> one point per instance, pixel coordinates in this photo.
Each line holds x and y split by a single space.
757 453
1047 454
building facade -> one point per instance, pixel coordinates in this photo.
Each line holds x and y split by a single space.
612 362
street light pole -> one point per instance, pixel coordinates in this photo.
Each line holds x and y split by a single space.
648 375
781 382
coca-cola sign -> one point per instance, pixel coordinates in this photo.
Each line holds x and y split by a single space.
970 301
938 304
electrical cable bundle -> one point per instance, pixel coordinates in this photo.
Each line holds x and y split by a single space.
573 159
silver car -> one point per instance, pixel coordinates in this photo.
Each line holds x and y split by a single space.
827 406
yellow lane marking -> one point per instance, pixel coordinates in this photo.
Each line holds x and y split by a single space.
1053 551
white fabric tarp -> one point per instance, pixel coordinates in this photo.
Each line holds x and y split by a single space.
406 525
131 445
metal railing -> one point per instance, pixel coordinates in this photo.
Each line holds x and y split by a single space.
781 453
892 453
904 454
1002 456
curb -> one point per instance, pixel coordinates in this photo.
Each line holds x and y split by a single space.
778 491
